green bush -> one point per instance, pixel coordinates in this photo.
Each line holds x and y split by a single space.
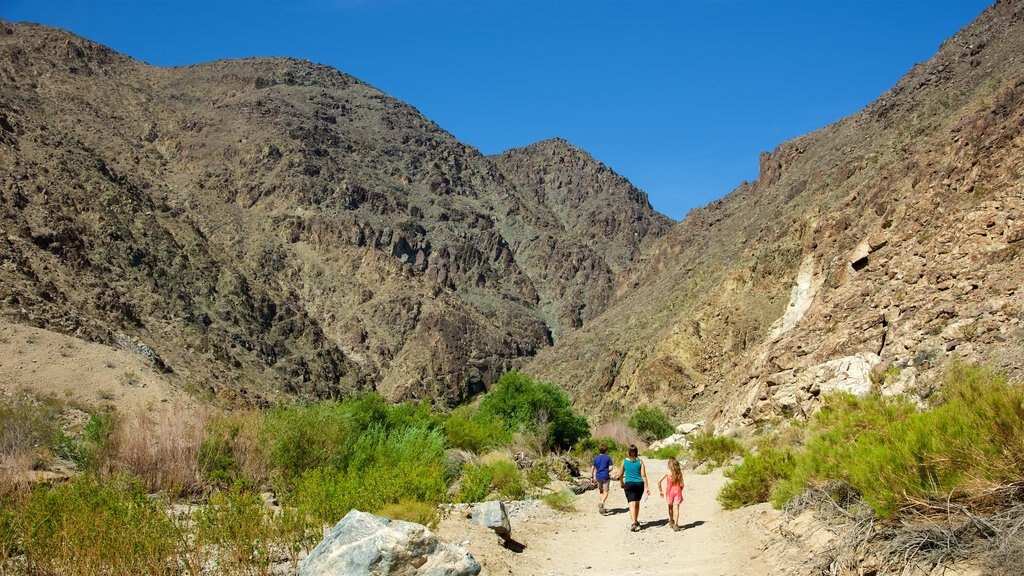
754 480
651 423
240 528
507 481
524 405
538 476
475 484
665 452
563 500
467 430
888 451
714 449
386 467
83 527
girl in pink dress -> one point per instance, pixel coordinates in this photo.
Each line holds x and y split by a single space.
673 491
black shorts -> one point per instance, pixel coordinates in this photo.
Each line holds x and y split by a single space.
634 491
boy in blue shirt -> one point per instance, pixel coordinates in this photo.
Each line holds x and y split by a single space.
600 473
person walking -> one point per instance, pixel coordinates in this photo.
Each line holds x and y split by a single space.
600 474
673 491
634 484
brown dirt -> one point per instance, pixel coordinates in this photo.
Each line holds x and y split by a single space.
46 363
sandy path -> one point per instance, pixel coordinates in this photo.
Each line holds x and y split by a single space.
711 543
714 542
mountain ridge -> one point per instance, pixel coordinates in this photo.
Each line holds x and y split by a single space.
330 238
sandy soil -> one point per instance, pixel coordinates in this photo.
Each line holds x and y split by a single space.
714 541
97 376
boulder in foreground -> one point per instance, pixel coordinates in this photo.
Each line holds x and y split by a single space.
362 543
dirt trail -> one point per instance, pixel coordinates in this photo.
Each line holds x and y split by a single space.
713 542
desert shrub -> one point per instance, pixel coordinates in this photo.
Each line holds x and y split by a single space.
714 449
507 481
83 527
754 479
651 423
665 452
563 500
240 528
411 511
28 434
466 430
475 484
890 452
230 453
385 467
520 404
537 475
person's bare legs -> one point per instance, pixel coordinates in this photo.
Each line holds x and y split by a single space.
671 518
676 514
604 494
634 512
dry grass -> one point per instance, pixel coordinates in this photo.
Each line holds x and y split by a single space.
929 537
162 449
621 433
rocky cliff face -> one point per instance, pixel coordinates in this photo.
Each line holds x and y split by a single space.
269 225
867 253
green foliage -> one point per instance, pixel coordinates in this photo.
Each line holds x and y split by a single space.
238 525
475 485
537 476
651 423
83 527
563 500
889 451
385 467
507 481
754 480
217 461
468 430
411 511
521 404
715 449
665 452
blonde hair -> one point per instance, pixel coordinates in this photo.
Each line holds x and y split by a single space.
675 470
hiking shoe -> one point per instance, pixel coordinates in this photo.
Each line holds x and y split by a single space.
600 508
676 528
635 527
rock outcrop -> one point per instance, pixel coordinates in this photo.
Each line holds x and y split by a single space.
892 237
268 227
365 544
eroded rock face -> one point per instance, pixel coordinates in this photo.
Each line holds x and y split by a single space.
365 544
848 246
279 227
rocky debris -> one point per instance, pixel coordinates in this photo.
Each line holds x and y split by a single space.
492 515
363 543
689 428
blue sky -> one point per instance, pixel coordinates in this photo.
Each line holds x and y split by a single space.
678 96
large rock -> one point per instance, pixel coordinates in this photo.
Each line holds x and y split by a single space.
494 516
362 543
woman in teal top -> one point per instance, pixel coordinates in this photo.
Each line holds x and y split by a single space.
634 483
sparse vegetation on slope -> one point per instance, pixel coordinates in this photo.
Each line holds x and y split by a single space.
894 454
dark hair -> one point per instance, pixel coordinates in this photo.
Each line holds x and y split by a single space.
633 452
603 448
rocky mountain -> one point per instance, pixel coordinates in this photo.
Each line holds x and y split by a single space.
263 227
867 253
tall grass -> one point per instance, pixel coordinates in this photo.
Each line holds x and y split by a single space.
892 453
161 449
